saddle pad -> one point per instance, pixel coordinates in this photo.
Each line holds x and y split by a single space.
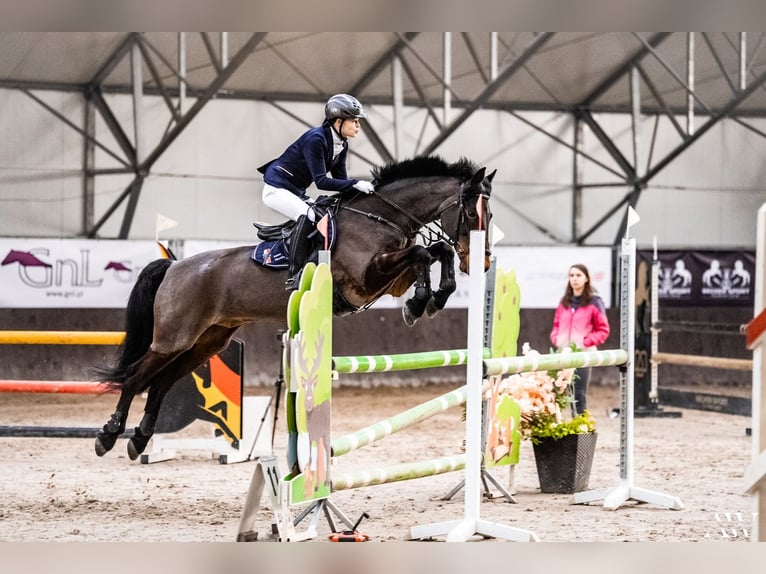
276 255
271 254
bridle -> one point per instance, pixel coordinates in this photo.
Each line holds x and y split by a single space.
429 234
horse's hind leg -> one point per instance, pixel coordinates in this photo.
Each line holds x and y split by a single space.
115 426
212 341
146 368
447 284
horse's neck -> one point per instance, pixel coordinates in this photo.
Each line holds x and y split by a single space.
422 200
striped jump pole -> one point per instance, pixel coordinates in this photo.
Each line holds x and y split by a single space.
554 362
397 472
61 337
401 362
377 431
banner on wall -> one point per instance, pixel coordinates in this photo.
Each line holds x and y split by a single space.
70 273
699 278
74 273
542 274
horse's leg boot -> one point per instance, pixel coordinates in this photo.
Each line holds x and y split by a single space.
299 250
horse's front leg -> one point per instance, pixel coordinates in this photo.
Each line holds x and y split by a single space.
399 270
415 306
445 255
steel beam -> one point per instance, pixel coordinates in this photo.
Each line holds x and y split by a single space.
75 127
622 69
216 85
114 126
714 119
609 145
532 49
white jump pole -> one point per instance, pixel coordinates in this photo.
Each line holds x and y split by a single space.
472 524
626 490
755 473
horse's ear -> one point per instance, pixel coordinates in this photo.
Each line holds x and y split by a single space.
478 177
491 176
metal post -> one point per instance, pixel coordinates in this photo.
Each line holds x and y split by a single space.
690 83
224 49
654 394
493 56
635 101
742 60
447 77
398 96
577 171
181 72
136 69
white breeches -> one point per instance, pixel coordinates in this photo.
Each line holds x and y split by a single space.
285 202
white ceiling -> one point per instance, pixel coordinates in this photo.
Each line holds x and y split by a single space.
563 73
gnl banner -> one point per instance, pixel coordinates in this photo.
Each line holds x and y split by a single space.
70 273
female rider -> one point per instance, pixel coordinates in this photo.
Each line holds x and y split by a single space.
318 156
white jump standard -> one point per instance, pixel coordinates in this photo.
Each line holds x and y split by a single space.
626 489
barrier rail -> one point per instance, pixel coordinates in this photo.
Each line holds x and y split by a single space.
61 337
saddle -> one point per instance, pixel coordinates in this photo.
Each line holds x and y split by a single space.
273 251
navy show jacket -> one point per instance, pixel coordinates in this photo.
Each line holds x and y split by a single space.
309 159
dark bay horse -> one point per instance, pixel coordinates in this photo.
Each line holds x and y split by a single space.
180 313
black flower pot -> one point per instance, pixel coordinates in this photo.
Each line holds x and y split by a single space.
563 465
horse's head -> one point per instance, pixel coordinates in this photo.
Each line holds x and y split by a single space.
473 212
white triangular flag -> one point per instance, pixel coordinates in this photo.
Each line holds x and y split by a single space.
162 224
496 235
633 217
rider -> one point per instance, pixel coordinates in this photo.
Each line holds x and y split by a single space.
315 154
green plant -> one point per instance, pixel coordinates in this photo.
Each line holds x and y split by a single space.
546 401
544 427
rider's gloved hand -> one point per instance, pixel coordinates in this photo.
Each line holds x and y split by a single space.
364 186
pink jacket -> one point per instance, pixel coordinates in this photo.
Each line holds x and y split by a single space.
586 326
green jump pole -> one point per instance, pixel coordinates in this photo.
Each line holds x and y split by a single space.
402 362
395 473
355 440
554 362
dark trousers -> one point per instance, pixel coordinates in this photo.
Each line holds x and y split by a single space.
582 378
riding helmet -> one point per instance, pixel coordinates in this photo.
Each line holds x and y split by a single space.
343 106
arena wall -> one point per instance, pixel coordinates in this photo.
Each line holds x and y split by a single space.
371 332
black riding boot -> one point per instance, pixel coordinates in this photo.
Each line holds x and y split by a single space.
299 250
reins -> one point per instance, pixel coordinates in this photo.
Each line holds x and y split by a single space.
429 235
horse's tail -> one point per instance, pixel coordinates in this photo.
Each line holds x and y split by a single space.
139 323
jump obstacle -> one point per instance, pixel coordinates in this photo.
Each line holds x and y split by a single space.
282 489
235 438
729 404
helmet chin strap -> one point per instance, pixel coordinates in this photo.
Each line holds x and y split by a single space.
339 132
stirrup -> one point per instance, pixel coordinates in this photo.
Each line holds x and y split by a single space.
293 282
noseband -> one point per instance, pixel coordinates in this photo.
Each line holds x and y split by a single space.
429 234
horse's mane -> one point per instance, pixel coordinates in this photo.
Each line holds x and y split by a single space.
423 166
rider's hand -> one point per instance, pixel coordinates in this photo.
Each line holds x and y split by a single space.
364 186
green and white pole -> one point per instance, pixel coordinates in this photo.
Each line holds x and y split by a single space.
401 362
554 362
394 424
397 472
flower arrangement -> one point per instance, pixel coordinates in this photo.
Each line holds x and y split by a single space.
545 398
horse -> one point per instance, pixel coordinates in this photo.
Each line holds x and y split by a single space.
181 313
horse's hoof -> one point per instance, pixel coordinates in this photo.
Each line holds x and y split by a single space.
104 443
409 318
431 308
101 450
133 450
